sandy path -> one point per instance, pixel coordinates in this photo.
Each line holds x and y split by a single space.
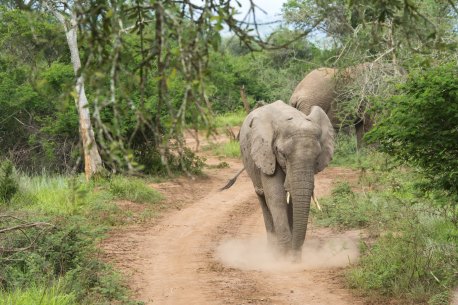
211 249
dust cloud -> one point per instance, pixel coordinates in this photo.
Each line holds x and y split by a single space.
255 254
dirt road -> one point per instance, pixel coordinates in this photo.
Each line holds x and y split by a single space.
211 249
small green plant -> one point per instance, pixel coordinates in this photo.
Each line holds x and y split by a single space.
8 182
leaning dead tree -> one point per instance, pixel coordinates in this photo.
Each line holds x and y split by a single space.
67 16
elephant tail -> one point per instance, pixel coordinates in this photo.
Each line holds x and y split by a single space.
232 181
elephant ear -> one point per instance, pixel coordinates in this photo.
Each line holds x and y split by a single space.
261 145
319 117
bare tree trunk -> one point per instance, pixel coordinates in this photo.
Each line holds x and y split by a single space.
92 159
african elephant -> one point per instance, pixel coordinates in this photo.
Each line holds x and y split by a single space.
326 87
282 149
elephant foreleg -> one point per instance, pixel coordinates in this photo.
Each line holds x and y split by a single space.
275 196
268 221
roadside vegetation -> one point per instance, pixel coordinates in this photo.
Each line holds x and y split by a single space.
410 252
406 198
50 229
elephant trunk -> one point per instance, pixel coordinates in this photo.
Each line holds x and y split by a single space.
302 184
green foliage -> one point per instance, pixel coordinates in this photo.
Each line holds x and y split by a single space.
133 189
420 125
8 182
347 154
381 28
346 209
345 151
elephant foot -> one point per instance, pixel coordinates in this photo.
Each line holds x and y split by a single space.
296 257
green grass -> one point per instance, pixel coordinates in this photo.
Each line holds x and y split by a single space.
37 295
229 149
133 189
57 195
230 119
346 153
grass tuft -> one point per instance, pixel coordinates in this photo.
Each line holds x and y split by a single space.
230 119
133 189
229 149
35 294
58 195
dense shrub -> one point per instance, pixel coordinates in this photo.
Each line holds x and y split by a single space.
419 125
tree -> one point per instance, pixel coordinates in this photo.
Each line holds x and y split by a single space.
92 159
379 28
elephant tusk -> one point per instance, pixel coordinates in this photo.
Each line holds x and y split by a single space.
316 202
287 197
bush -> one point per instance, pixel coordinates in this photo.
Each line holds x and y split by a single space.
419 126
38 257
152 162
346 209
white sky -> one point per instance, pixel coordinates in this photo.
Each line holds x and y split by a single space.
272 7
272 12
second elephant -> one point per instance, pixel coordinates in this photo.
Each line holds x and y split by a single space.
321 87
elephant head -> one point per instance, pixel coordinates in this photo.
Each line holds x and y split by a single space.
300 145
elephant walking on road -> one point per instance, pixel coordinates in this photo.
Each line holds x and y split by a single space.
282 150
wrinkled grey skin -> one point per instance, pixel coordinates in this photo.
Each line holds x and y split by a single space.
282 150
319 88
